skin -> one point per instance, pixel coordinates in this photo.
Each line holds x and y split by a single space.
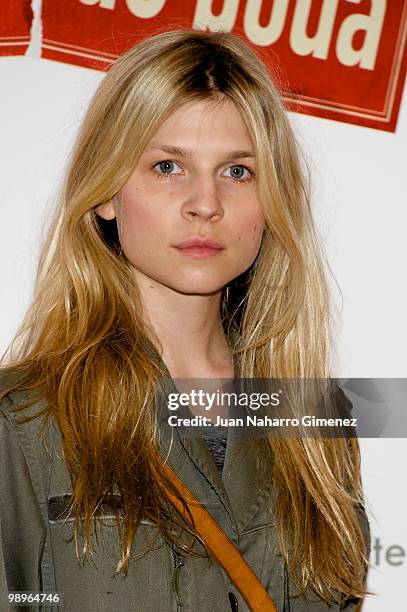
207 193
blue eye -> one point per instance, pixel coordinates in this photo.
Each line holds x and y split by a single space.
165 168
238 171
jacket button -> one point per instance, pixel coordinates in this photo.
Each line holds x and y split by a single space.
234 606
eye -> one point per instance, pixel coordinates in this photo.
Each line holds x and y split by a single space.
165 168
240 173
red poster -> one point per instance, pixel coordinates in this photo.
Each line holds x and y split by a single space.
15 25
338 59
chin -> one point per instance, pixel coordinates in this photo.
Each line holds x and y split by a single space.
194 286
197 289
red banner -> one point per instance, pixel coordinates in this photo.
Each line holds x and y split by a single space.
338 59
15 23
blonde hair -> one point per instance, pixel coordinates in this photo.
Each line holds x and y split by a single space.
85 328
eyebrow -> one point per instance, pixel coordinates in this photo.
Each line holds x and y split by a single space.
239 154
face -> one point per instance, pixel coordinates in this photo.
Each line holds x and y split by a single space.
189 217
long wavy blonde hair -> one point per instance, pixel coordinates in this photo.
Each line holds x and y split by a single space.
84 329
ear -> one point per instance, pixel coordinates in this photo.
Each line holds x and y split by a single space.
106 210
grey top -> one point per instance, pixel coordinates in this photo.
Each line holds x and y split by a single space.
216 439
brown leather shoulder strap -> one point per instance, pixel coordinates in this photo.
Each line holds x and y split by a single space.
224 551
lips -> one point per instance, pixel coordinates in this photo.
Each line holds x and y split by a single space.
200 248
200 243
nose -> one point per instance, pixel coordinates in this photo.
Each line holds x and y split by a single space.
203 200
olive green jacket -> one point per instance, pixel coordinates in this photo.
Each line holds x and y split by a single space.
36 553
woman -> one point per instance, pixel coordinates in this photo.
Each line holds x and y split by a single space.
183 247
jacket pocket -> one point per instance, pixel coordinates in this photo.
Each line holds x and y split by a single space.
93 585
60 508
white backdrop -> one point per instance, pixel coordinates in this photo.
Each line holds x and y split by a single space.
359 178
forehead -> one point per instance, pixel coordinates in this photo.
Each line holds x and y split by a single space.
204 122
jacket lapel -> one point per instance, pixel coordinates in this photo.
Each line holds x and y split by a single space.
233 499
249 498
191 459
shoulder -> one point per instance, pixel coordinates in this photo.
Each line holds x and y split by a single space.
25 458
21 421
9 400
10 397
15 401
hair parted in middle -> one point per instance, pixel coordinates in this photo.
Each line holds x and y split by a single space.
85 329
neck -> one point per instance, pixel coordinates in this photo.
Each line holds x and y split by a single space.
189 330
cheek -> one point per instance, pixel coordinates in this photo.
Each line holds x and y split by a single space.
249 234
257 231
136 221
250 230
